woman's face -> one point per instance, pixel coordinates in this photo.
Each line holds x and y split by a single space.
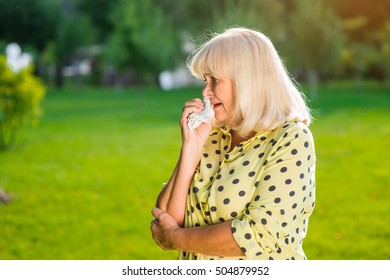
221 94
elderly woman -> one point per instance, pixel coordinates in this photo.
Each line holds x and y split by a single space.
244 184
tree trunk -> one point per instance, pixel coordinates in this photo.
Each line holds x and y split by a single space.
59 79
358 78
312 76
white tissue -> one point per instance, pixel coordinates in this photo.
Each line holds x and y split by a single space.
195 119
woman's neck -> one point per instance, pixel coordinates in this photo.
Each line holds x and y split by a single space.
237 138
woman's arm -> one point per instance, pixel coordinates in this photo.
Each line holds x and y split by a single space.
163 197
215 240
173 196
178 189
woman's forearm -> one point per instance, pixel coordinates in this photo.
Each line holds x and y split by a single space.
172 197
213 240
163 197
188 163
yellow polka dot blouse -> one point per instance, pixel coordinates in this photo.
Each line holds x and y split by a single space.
265 185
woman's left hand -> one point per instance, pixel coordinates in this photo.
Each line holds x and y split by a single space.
163 228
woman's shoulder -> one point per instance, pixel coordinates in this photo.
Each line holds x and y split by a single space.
282 131
295 126
292 131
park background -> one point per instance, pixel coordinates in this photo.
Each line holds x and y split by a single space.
79 179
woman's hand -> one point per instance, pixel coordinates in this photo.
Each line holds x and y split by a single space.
215 240
163 228
200 134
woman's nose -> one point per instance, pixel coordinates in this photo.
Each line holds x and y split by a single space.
207 92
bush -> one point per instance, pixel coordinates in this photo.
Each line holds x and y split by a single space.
20 97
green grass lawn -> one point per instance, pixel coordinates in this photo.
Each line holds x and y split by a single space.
86 178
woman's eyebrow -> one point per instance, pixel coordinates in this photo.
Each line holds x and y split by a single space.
207 75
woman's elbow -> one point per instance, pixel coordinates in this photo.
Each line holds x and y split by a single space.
160 203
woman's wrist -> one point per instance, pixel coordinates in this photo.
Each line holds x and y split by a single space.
191 151
177 239
192 147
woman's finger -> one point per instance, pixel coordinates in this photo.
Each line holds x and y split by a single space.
156 212
194 105
194 102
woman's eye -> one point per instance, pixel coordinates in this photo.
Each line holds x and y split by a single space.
210 80
214 81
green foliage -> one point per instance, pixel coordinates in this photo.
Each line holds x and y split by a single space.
100 20
383 36
92 183
268 17
144 39
365 16
29 22
316 37
20 97
72 33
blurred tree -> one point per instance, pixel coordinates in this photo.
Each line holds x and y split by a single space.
73 32
146 37
365 28
31 24
99 12
203 16
28 22
315 41
383 36
358 57
20 96
238 13
48 26
144 41
307 34
368 17
197 16
268 16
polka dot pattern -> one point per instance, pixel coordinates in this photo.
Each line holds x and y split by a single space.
265 186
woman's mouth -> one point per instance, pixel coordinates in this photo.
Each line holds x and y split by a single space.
216 105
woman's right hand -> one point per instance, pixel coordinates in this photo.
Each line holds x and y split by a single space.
199 134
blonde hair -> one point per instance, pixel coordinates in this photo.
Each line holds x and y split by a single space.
265 95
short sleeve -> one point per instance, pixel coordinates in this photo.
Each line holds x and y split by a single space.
275 221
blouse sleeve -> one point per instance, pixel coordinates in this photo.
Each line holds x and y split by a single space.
276 218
